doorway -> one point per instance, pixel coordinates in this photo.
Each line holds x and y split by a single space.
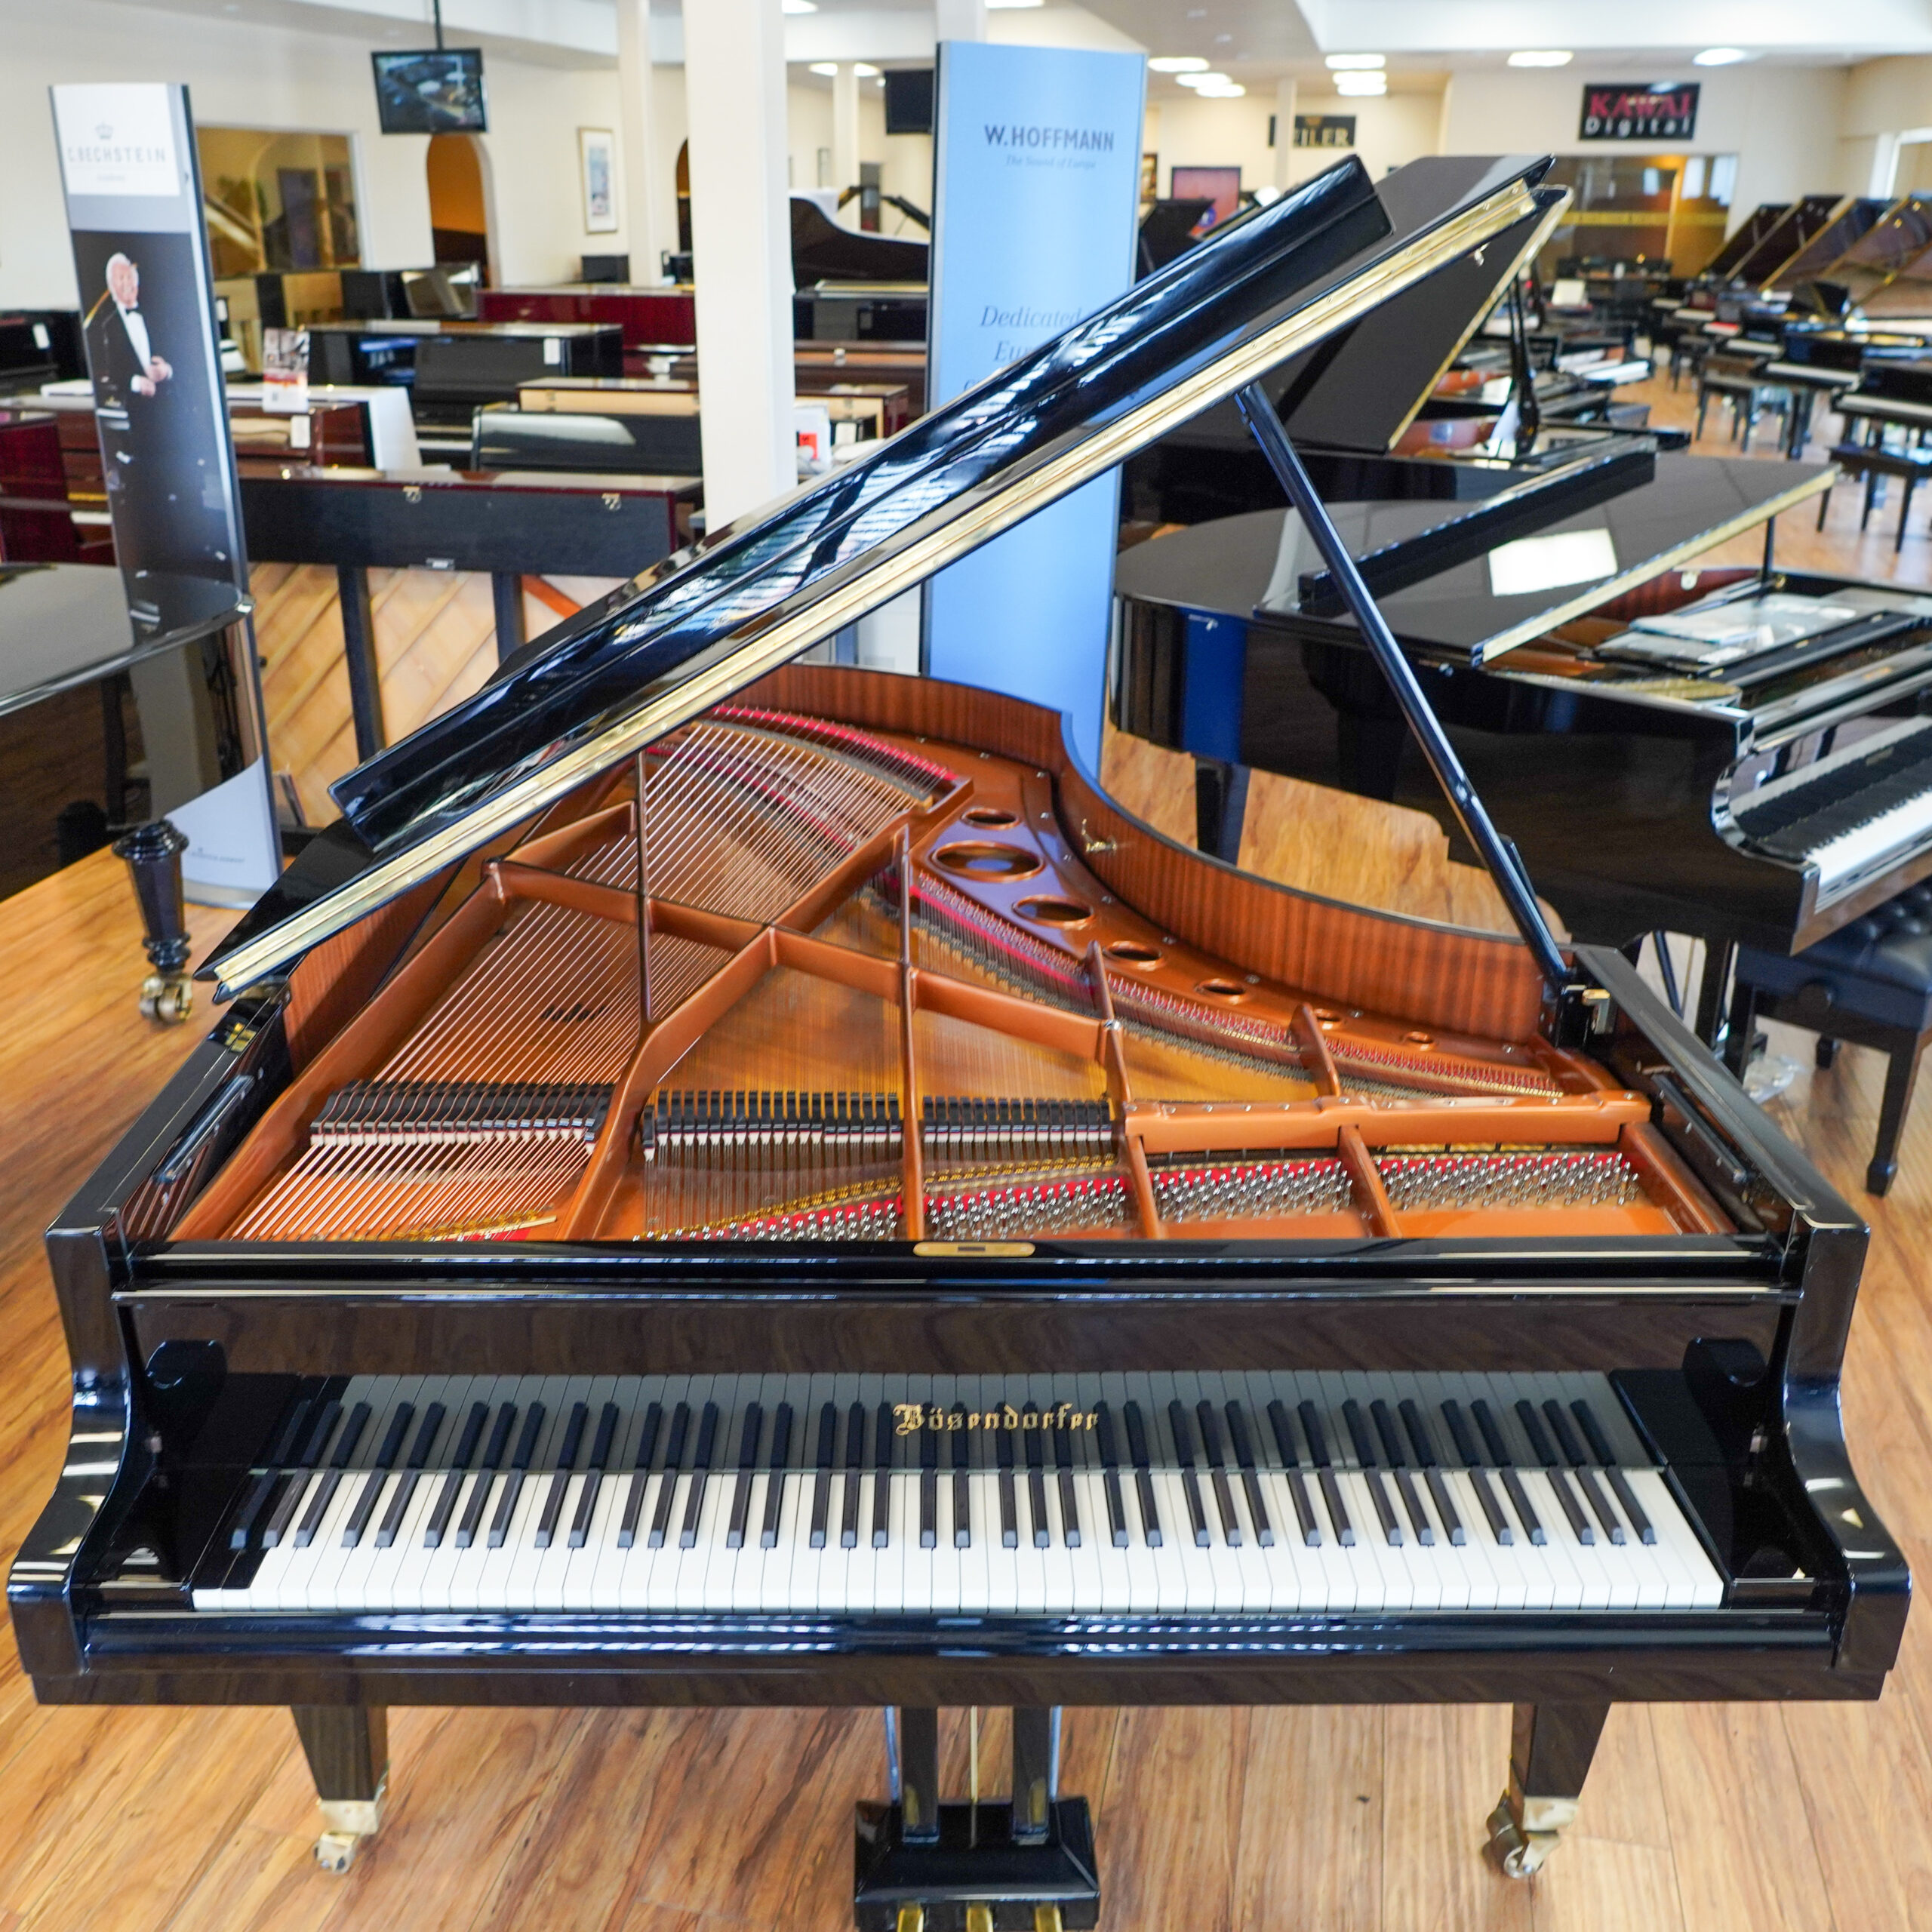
459 226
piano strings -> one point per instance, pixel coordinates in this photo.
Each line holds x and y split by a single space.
798 1104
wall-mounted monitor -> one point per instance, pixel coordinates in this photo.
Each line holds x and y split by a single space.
1221 185
909 100
439 91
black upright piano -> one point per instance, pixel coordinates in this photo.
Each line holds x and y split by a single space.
721 1180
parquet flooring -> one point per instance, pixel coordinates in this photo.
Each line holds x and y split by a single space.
1696 1819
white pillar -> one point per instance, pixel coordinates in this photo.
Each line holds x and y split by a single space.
960 20
634 132
741 239
845 135
1284 131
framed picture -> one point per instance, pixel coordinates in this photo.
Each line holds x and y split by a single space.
597 151
1150 178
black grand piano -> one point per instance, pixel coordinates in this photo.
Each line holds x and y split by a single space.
1738 755
723 1181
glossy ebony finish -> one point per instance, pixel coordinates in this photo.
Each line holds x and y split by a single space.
1615 794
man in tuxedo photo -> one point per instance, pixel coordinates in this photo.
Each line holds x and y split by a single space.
122 354
157 419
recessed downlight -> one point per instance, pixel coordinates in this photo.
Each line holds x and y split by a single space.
1345 64
1363 85
1178 63
1541 56
1720 56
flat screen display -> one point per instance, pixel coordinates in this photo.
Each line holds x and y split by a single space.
909 100
1221 185
439 91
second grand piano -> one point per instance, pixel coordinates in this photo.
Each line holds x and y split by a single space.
723 1182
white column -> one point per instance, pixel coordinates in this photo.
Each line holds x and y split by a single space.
1284 131
634 133
845 136
960 20
741 239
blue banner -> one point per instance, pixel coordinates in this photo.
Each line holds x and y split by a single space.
1036 192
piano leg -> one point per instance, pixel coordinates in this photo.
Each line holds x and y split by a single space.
1036 1772
1901 1074
916 1733
347 1748
1550 1749
1220 806
1720 963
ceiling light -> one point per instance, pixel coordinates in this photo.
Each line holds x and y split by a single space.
1719 57
1199 81
864 73
798 6
1344 64
1541 56
1364 85
993 6
829 68
1178 63
1231 90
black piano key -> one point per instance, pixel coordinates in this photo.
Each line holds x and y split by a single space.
1325 1473
1371 1473
520 1461
855 1459
1009 1504
1143 1480
1499 1527
1217 1469
307 1455
374 1482
1036 1476
256 1504
827 1445
1190 1480
647 1448
561 1471
1593 1434
405 1491
1243 1445
492 1460
1069 1496
701 1459
883 1423
1585 1477
775 1481
1103 1431
1283 1433
1544 1451
748 1436
1493 1439
1532 1523
675 1451
438 1526
1417 1428
593 1478
962 1479
1384 1419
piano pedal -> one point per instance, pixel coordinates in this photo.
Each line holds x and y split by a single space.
976 1877
1523 1832
346 1822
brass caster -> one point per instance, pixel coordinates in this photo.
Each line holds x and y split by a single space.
168 998
1515 1852
335 1851
346 1822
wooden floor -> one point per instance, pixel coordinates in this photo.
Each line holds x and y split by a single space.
1696 1819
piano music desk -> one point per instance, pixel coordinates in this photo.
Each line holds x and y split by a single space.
698 1821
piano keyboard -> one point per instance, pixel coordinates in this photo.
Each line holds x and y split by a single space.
1859 811
1237 1493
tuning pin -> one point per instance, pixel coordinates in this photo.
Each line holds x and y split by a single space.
153 856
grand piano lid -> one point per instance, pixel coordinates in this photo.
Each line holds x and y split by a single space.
686 635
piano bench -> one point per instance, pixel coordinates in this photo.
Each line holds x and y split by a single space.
1874 464
1749 397
1869 983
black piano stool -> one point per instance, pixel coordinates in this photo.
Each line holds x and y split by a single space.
1869 983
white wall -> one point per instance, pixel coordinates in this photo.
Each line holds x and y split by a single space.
1391 130
1782 123
241 75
